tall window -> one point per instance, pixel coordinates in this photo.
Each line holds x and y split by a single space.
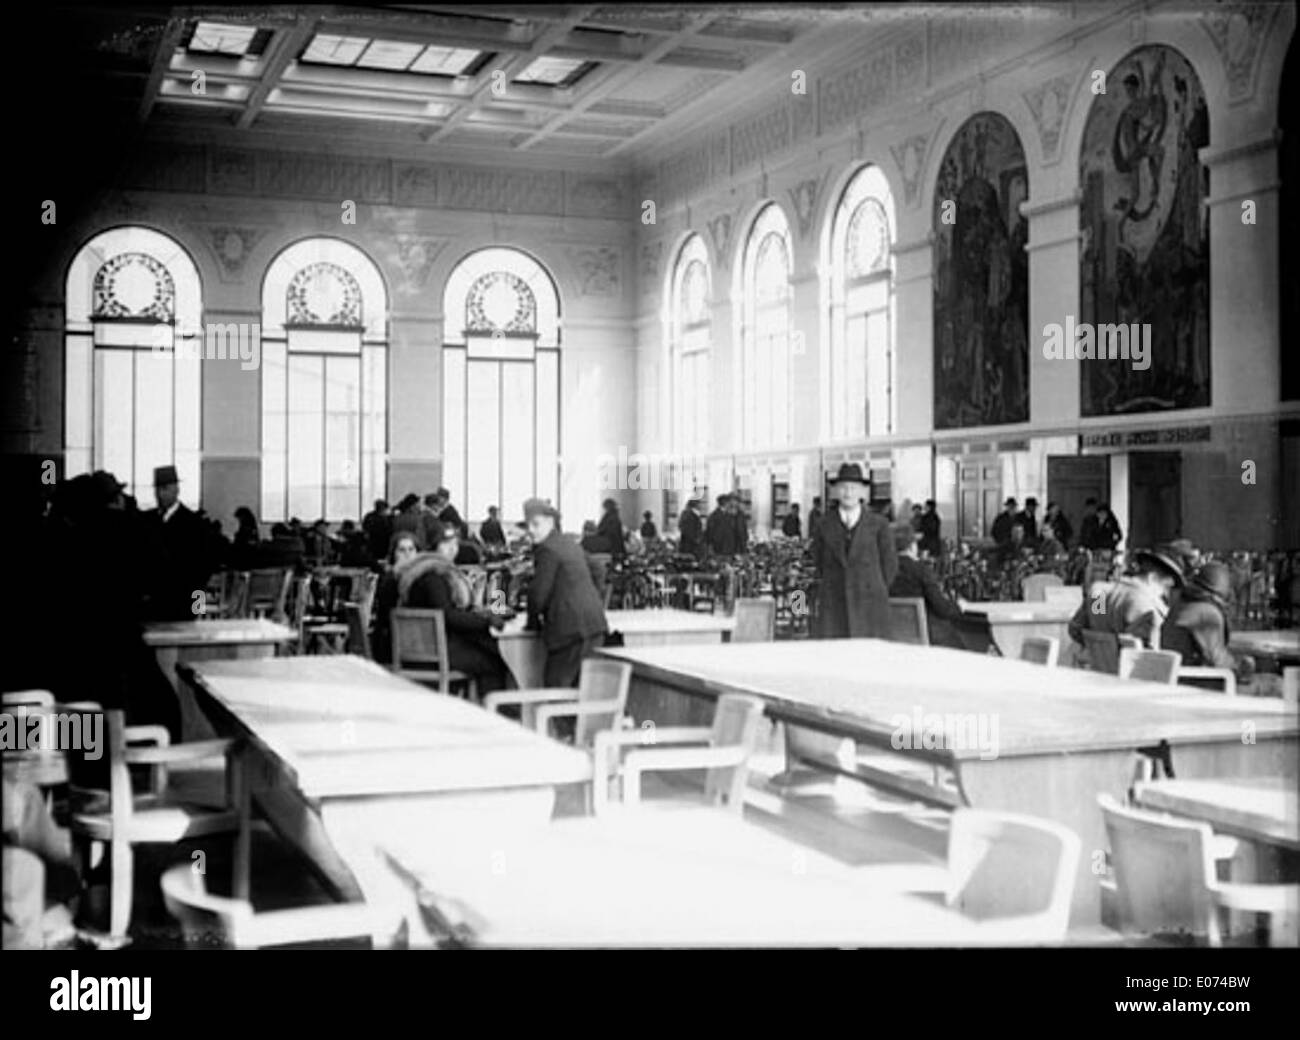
324 382
765 332
689 330
501 382
860 372
131 401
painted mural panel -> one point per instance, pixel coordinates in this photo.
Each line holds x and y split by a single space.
981 278
1144 257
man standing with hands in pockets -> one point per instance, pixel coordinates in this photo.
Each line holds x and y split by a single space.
857 562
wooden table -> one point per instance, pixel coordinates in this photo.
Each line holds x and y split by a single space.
689 877
1262 809
1011 621
341 752
1280 645
524 653
215 640
1059 736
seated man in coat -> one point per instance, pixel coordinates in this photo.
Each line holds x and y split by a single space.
1136 605
944 619
1197 627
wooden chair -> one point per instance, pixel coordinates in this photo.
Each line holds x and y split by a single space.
723 751
1071 594
105 811
268 592
314 630
755 621
1040 650
219 922
1034 588
357 616
420 650
1013 873
1101 650
599 703
907 622
1160 666
1222 679
1165 881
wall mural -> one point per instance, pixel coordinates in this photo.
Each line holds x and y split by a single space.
981 278
1144 258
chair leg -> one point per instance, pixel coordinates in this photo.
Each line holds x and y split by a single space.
121 890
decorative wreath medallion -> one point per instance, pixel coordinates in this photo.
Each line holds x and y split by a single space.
324 294
501 301
868 239
134 286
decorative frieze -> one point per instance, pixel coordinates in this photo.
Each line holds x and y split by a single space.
595 197
857 90
720 229
1238 32
596 269
1049 104
803 198
759 136
232 245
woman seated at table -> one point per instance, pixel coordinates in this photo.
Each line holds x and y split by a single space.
432 581
403 547
1197 627
944 619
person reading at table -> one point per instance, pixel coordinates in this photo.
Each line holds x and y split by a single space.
944 619
432 581
562 597
1197 627
855 557
1135 605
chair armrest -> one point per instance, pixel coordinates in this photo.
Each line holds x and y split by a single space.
658 736
638 762
494 701
546 712
155 735
1260 899
1228 677
192 751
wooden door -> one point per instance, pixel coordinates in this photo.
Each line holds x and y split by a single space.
1155 497
1073 479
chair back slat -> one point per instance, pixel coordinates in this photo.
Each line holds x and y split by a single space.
1044 650
601 679
1159 666
755 621
907 621
420 645
1034 588
735 724
1164 869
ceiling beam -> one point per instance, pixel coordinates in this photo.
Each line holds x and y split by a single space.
171 39
287 46
620 77
511 68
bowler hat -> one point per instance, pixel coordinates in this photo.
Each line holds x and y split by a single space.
106 484
849 471
1161 561
539 507
164 475
1182 550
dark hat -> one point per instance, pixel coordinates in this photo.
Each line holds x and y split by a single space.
1160 561
904 535
1214 579
849 471
1031 501
539 507
164 475
1009 502
1182 550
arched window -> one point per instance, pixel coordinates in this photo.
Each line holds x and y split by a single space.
324 382
765 332
689 344
131 399
861 373
500 383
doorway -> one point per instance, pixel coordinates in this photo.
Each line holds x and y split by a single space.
1155 497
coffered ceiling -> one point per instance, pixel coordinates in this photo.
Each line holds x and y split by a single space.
590 83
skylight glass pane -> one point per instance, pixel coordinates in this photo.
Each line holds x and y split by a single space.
214 38
548 70
389 54
445 61
335 50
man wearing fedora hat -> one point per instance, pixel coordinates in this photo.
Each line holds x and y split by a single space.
182 541
1136 605
856 560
